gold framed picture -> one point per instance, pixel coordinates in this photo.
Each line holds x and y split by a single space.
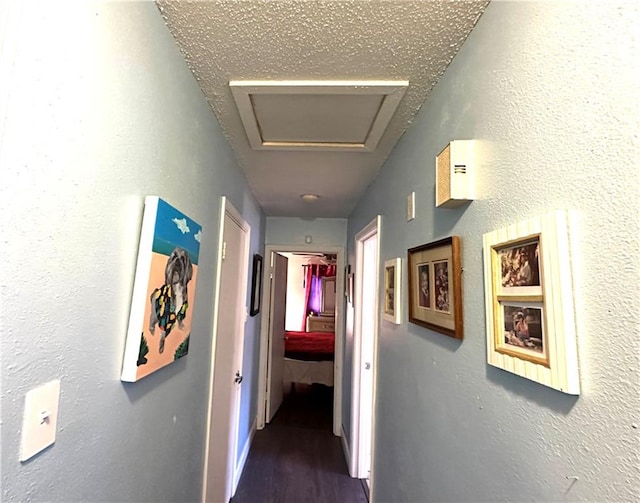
435 286
529 302
392 310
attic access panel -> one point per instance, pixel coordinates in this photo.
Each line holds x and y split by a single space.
316 115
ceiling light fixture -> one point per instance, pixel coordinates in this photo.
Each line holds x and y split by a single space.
310 197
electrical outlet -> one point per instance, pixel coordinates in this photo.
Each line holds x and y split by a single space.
40 419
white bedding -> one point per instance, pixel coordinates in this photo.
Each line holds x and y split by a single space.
308 372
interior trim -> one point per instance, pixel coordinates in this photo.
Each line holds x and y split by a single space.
391 92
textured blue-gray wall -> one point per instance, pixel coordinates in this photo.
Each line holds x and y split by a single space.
99 110
550 91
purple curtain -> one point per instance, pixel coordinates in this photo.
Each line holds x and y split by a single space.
315 295
314 273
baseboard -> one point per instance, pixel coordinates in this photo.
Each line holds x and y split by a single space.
366 489
345 449
243 457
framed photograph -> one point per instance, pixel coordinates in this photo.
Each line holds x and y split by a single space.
256 285
392 310
347 271
163 290
435 286
529 302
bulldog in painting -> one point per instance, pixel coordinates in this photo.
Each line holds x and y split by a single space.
169 303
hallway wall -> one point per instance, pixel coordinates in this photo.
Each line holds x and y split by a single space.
292 231
550 90
98 109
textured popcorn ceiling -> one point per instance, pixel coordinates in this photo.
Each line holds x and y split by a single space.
225 40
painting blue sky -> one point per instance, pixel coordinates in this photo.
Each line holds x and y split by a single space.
174 228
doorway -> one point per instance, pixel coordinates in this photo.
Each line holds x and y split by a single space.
266 343
366 315
219 479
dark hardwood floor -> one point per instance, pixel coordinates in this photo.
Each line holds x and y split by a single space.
296 458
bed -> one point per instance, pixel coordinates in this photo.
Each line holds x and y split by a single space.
308 357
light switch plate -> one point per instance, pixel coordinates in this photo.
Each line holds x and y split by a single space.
40 419
411 206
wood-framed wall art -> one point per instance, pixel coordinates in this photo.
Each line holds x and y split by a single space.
435 286
256 285
529 301
392 309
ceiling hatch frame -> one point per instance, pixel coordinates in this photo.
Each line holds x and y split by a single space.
389 92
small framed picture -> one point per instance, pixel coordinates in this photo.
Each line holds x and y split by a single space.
529 302
520 267
347 271
435 286
522 332
350 286
256 285
392 309
424 299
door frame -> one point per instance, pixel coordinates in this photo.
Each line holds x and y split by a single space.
357 468
232 479
339 340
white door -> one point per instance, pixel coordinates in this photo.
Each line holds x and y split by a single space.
369 314
277 315
364 347
224 403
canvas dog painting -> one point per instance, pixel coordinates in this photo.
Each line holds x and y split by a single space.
161 314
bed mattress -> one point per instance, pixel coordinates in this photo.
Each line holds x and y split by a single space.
309 346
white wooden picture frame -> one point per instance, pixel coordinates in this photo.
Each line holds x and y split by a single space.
391 307
531 325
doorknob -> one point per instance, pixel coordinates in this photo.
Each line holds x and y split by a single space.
367 366
238 378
